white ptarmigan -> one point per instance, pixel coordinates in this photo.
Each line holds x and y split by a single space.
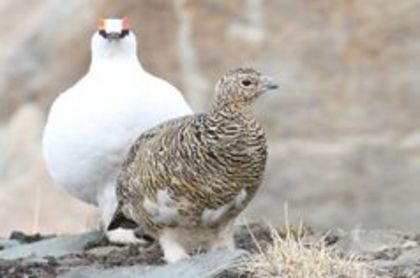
92 125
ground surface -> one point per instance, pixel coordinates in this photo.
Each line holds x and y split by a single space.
94 251
387 254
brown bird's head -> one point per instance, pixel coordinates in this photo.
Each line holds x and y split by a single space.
242 86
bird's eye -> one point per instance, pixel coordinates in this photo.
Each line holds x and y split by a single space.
246 82
103 33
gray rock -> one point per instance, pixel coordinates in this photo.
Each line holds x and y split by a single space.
51 247
360 241
206 265
387 253
6 243
101 251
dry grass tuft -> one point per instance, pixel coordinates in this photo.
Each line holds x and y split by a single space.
292 256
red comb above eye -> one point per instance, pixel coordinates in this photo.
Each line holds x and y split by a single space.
125 23
101 23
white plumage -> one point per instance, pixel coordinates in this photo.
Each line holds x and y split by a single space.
91 126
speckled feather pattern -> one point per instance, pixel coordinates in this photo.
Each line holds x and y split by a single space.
201 164
197 171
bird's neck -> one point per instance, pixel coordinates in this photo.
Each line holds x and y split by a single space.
228 111
102 64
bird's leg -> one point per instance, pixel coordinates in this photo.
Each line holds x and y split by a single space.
172 249
224 239
124 236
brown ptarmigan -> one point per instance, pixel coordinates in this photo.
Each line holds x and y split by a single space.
185 181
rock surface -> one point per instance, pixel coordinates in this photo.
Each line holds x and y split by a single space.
386 254
207 265
90 255
54 247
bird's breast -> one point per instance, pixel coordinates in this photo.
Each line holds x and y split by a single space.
91 127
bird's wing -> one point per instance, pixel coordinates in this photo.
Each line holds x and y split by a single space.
150 134
125 175
124 190
220 166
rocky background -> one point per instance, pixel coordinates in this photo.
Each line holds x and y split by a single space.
344 130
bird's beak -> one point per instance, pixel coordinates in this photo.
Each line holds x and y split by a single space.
113 36
269 84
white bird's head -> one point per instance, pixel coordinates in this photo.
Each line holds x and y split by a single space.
113 39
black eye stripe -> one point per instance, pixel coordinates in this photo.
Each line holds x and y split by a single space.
124 33
103 33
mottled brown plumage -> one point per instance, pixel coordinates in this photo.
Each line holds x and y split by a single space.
186 180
